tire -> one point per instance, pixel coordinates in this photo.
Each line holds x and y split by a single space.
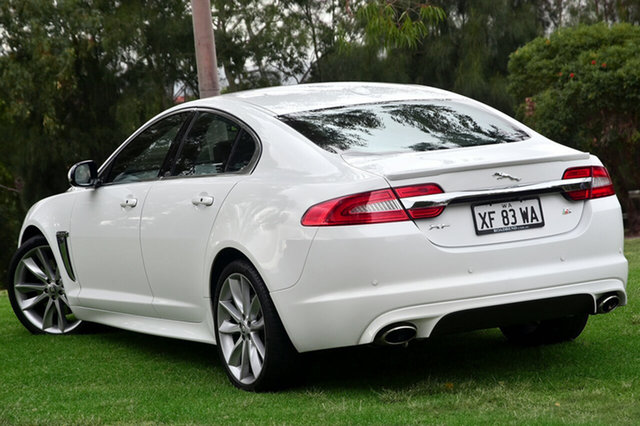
252 344
546 332
36 291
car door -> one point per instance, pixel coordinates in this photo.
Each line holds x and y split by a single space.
179 212
105 222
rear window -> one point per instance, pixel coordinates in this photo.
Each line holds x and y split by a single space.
403 126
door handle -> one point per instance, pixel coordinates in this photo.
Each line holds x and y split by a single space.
129 202
202 200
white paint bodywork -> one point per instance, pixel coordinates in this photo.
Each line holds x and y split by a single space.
148 268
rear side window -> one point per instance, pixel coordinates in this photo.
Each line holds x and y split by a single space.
403 126
214 145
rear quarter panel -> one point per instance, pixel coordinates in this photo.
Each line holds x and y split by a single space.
261 216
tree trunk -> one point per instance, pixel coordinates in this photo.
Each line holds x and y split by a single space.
208 80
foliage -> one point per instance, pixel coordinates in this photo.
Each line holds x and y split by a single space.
10 213
261 43
406 42
473 378
396 23
581 87
77 76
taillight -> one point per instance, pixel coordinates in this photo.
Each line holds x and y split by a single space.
372 207
417 191
368 207
601 183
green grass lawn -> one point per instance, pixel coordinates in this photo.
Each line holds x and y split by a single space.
121 377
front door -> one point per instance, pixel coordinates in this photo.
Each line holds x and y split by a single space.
105 223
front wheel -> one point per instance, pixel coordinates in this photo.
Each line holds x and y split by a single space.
546 332
252 343
36 291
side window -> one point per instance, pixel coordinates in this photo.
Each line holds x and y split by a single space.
143 157
214 145
242 152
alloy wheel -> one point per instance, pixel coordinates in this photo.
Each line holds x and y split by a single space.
39 292
241 330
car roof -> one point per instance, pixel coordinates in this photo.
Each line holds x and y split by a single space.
307 97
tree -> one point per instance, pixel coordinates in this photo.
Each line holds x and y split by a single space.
581 87
10 214
78 76
403 41
262 43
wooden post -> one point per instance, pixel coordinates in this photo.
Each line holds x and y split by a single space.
208 81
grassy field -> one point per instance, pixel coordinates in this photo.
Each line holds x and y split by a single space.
473 378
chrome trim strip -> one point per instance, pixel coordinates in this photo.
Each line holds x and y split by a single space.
63 245
488 167
444 199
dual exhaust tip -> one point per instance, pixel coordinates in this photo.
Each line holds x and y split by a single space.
608 303
396 334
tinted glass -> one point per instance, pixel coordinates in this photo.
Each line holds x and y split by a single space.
208 148
242 152
143 157
406 126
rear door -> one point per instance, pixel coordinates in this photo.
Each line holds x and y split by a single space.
179 212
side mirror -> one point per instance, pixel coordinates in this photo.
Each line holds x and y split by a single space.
83 174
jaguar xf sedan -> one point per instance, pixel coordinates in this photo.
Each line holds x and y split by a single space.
284 220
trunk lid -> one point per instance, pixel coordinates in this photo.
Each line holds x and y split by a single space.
513 177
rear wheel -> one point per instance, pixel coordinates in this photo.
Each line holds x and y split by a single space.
36 291
252 343
546 332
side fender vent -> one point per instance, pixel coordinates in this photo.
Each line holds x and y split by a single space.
63 245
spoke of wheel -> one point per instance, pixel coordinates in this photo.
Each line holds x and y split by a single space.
231 310
227 327
31 303
254 358
235 356
235 286
35 269
45 263
246 296
26 287
47 318
245 364
257 325
255 308
62 321
257 343
64 300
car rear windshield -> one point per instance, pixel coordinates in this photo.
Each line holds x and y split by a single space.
403 126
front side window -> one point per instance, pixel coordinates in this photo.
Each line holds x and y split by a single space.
144 156
403 126
214 145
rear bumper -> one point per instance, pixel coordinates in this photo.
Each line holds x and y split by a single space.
358 279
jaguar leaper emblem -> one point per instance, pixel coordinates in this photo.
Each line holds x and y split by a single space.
500 175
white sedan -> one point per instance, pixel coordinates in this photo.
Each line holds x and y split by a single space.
293 219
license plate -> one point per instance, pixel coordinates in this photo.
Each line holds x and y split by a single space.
507 216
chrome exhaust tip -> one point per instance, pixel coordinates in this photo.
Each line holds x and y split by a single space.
396 334
608 303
